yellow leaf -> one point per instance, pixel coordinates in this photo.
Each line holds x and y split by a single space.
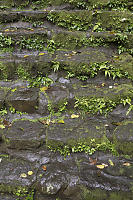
74 52
13 90
23 175
30 173
7 30
111 163
74 116
112 32
25 56
43 89
100 166
41 54
2 126
61 121
126 164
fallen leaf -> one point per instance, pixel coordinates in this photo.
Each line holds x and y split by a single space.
105 165
74 116
30 173
111 162
25 56
13 90
116 57
74 52
126 164
100 166
7 30
92 161
95 27
103 84
117 123
112 32
106 125
2 126
23 175
6 123
61 121
44 167
43 89
41 54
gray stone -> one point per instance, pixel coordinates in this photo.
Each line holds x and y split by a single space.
74 130
3 94
23 100
55 95
24 134
10 175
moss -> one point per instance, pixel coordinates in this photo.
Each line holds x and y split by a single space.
125 63
13 189
7 70
114 20
71 20
122 137
98 194
84 20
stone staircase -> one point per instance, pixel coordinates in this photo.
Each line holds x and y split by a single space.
66 100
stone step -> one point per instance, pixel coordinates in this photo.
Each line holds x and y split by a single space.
53 177
17 137
70 135
50 37
67 4
89 20
83 63
11 181
96 21
20 97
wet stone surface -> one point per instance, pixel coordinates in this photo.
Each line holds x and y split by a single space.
40 124
24 134
23 100
3 94
12 177
74 130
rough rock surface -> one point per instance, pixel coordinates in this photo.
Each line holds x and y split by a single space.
66 93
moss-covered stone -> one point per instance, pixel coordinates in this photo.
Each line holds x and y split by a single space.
99 194
24 134
85 20
123 137
125 63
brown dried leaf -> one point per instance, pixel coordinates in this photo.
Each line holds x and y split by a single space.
92 161
44 167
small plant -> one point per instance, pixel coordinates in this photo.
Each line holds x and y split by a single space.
22 73
51 46
40 81
3 71
3 112
103 145
5 41
55 65
4 7
95 105
31 43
